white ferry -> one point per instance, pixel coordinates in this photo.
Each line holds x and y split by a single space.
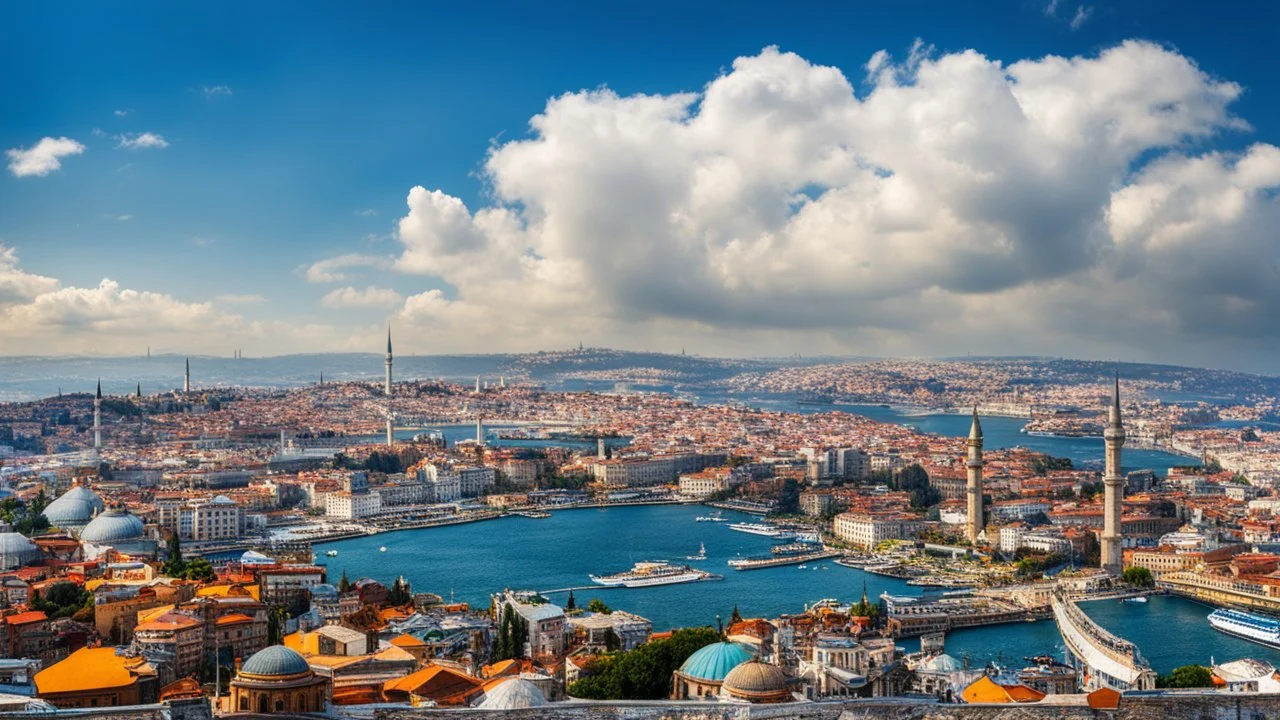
763 529
1256 628
702 553
713 517
646 574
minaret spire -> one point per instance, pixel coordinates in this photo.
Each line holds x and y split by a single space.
1113 488
97 417
387 391
186 378
973 488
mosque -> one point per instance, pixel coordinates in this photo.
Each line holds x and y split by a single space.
278 679
729 672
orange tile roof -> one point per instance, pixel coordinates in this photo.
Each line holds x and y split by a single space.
26 617
444 685
88 669
407 641
169 621
986 690
1104 699
234 619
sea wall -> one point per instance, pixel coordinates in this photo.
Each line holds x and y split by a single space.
1161 706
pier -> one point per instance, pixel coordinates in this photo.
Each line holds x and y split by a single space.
1260 594
1100 658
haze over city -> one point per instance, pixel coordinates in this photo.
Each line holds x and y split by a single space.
1058 179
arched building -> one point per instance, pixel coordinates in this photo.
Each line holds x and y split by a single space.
701 676
278 680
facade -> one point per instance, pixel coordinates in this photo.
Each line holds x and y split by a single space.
1112 540
352 505
870 530
289 584
816 504
179 636
546 622
702 484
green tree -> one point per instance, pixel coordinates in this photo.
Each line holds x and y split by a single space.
173 564
275 625
200 570
571 604
1187 676
788 499
645 672
1138 576
344 585
596 605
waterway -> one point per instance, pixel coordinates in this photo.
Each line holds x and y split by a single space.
469 562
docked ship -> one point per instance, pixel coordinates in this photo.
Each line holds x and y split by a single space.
794 558
762 529
1247 626
647 574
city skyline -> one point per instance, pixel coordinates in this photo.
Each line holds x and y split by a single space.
1070 179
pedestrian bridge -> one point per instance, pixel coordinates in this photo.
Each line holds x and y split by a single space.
1100 658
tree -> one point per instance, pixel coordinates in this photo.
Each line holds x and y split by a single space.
344 585
275 625
173 564
643 673
735 617
200 570
788 499
1138 576
1187 676
596 605
572 604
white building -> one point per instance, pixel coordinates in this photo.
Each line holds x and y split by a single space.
870 530
350 506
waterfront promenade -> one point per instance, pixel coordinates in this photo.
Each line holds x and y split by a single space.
1101 658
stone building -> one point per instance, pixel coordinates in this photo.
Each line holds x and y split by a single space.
278 680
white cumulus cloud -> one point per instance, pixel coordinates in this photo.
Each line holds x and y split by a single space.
335 269
142 141
370 297
42 158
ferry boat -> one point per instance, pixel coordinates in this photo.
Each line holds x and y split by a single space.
762 529
1139 599
1255 628
702 553
802 559
332 553
713 517
647 574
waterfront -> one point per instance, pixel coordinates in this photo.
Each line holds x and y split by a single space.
468 562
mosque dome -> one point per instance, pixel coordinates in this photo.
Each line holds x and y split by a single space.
275 661
112 526
943 664
514 694
16 550
74 508
714 661
755 681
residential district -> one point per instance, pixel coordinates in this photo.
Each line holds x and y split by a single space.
157 550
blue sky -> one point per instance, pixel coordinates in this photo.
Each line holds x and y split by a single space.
293 133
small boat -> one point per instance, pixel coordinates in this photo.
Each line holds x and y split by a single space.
382 549
1135 600
806 567
332 553
702 553
713 517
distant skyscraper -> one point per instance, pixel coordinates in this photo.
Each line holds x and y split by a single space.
477 383
1113 489
97 418
186 378
974 485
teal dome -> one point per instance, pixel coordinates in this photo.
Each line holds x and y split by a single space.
275 661
714 661
74 508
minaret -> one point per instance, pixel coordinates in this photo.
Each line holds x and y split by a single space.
387 389
1113 494
186 378
477 383
139 391
97 418
974 485
479 430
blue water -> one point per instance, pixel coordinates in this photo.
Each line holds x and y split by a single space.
468 562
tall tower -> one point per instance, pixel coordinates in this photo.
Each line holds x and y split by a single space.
479 430
97 418
974 486
1113 483
387 390
186 378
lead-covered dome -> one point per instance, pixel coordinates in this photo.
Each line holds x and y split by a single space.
275 661
16 550
714 661
514 694
112 526
755 681
74 508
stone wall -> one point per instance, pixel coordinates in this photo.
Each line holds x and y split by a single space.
196 709
1149 706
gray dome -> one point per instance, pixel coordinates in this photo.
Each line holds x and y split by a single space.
275 661
74 508
112 526
514 694
16 550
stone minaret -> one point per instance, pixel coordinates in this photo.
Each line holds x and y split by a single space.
1113 496
479 430
387 389
186 378
974 485
97 418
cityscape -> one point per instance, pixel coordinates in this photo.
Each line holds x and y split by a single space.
712 368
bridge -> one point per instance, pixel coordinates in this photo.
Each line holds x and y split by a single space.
1100 658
